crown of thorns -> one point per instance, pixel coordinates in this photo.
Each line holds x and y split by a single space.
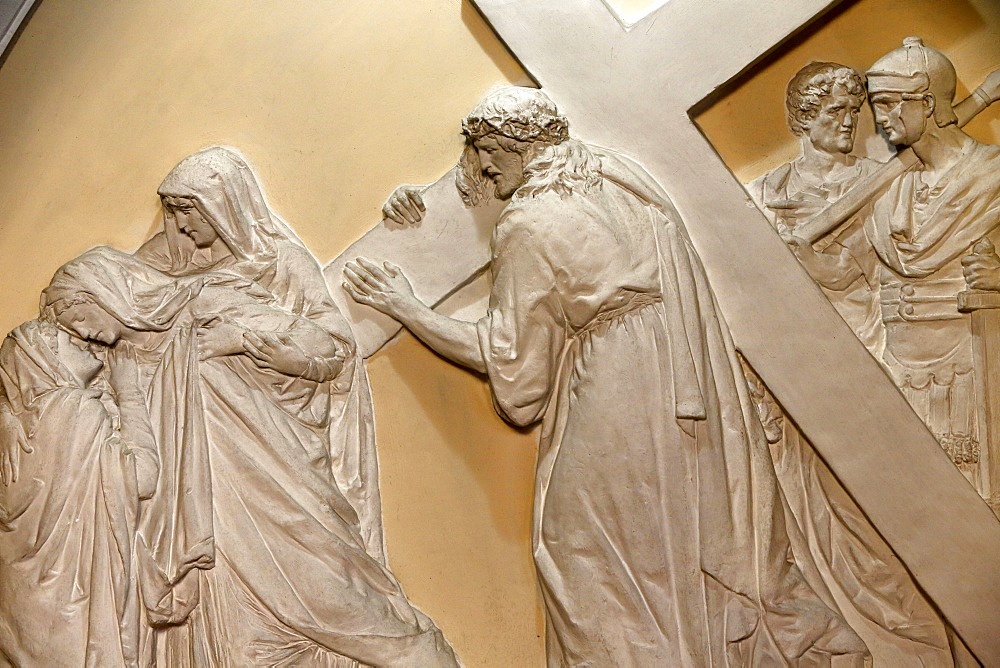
553 129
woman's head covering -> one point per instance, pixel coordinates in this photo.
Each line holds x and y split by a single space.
225 192
30 366
137 295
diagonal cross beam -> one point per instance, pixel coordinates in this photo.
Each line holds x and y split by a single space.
632 90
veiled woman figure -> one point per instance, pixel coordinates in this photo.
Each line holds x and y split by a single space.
215 219
75 456
250 552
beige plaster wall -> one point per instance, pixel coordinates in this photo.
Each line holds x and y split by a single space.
335 102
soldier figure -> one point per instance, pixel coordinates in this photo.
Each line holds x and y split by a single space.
921 229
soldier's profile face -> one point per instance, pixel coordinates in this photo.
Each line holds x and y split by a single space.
902 119
832 130
504 168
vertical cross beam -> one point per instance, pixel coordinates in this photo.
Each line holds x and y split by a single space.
632 90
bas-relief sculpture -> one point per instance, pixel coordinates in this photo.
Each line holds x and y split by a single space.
853 413
894 269
222 466
870 587
822 104
216 501
656 503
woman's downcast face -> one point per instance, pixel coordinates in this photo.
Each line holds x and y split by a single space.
191 221
90 322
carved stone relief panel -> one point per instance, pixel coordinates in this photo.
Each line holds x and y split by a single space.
845 219
188 456
301 110
849 207
216 500
898 233
859 426
592 270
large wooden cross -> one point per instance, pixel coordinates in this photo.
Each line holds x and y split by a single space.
632 88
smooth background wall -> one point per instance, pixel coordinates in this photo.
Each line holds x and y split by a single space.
335 102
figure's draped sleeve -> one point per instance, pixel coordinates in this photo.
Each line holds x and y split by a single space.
137 435
522 334
301 288
285 533
156 253
296 283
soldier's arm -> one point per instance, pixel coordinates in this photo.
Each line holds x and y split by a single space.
834 268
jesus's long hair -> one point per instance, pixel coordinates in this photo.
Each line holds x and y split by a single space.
563 168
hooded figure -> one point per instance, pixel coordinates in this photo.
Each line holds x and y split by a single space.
69 500
254 243
250 552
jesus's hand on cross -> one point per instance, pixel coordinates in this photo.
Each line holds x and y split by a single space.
384 288
405 205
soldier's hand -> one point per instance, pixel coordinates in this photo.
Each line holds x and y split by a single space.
799 246
799 209
405 205
982 268
834 267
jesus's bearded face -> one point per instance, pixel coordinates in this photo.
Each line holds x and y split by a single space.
505 168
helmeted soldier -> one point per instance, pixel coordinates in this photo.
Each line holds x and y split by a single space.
921 228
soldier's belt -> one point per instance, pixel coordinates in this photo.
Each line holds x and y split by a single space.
922 302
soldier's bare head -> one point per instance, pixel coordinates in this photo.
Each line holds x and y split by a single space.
822 103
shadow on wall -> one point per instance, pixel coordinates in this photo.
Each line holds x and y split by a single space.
487 40
14 15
